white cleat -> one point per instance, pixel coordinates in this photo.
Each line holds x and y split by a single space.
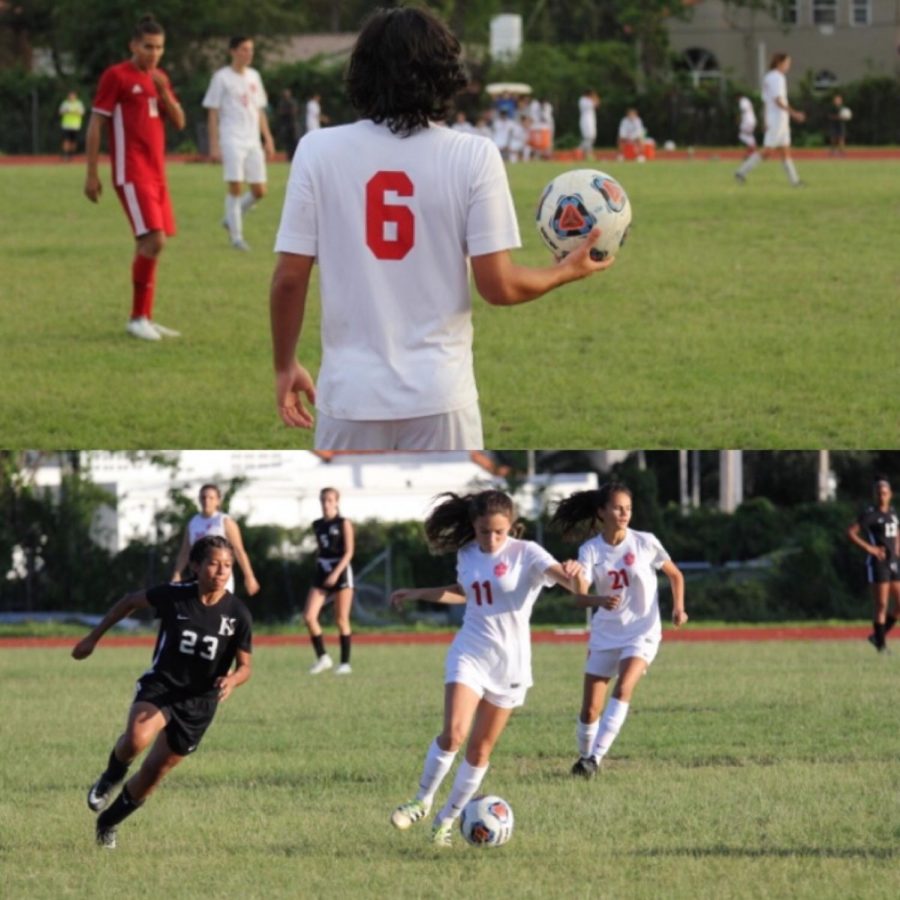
322 664
343 669
162 331
241 244
142 328
408 814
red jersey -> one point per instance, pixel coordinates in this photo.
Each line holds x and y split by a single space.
137 133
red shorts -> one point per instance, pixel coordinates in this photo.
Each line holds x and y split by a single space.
148 207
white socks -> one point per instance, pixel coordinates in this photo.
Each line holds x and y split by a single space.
468 780
610 724
749 164
792 175
248 201
437 765
234 208
587 734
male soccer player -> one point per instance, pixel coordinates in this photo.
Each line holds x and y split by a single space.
236 103
134 97
392 207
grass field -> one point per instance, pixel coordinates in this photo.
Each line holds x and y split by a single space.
755 317
762 770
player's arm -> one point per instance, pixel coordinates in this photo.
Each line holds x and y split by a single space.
287 305
171 106
118 611
795 114
236 677
266 132
676 583
233 533
181 560
92 185
448 594
504 283
212 128
854 532
344 561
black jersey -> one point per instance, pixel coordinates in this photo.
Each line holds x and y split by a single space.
196 643
881 529
330 537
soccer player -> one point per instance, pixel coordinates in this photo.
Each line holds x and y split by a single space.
203 631
877 531
747 124
134 98
236 117
71 114
314 116
631 136
625 629
212 521
392 207
334 577
488 667
588 103
778 115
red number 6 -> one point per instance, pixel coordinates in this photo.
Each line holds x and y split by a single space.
378 213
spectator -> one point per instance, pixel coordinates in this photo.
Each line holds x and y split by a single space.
71 112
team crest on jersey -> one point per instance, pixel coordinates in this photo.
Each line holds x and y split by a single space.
628 559
501 569
137 89
226 626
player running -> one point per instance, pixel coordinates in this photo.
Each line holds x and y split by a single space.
134 98
488 667
877 531
391 207
203 630
625 629
236 103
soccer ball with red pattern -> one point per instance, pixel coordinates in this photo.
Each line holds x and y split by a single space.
486 821
577 201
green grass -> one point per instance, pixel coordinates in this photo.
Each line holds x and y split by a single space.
734 317
745 770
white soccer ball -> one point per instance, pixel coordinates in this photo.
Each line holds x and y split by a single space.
573 203
845 114
486 821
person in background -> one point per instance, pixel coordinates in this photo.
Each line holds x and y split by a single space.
838 116
287 122
588 104
71 114
747 125
631 136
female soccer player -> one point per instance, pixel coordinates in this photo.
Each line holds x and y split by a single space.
488 668
334 576
211 520
876 531
625 629
203 630
135 98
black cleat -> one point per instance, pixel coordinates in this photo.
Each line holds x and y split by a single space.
106 837
585 767
740 178
874 642
98 795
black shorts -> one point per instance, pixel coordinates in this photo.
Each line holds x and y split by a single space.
71 134
188 717
323 570
880 571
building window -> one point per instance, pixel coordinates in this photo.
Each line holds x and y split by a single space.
701 65
824 80
824 12
861 12
790 12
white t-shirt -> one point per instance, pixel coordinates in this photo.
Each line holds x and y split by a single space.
501 590
238 96
392 221
313 115
748 115
626 570
212 526
502 129
587 120
631 129
774 85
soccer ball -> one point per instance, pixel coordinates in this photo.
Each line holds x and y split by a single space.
573 203
845 115
486 821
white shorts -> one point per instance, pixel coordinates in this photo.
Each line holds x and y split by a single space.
457 430
461 670
778 133
748 138
605 663
244 163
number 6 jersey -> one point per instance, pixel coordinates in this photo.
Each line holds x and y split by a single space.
196 643
626 570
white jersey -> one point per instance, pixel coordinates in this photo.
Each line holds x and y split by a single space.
208 526
587 118
626 570
392 221
238 96
774 86
313 115
748 115
631 129
501 589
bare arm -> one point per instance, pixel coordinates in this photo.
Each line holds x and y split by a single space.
265 131
184 552
212 128
118 611
854 532
241 673
344 561
287 305
171 107
504 283
92 185
233 533
676 582
449 594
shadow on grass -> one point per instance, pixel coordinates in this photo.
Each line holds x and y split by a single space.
885 853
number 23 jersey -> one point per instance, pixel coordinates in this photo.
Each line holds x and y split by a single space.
501 589
626 570
196 643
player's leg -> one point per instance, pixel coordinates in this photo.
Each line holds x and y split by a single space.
255 176
893 611
593 695
315 600
631 670
787 163
145 721
343 603
880 593
460 704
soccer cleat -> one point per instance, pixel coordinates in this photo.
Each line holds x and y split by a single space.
106 837
409 813
142 328
162 331
240 244
585 767
740 178
874 642
442 833
343 669
322 664
98 795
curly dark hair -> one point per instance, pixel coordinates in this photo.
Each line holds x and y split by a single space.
202 547
582 512
451 524
405 69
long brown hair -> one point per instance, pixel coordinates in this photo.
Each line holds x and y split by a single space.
450 525
581 514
